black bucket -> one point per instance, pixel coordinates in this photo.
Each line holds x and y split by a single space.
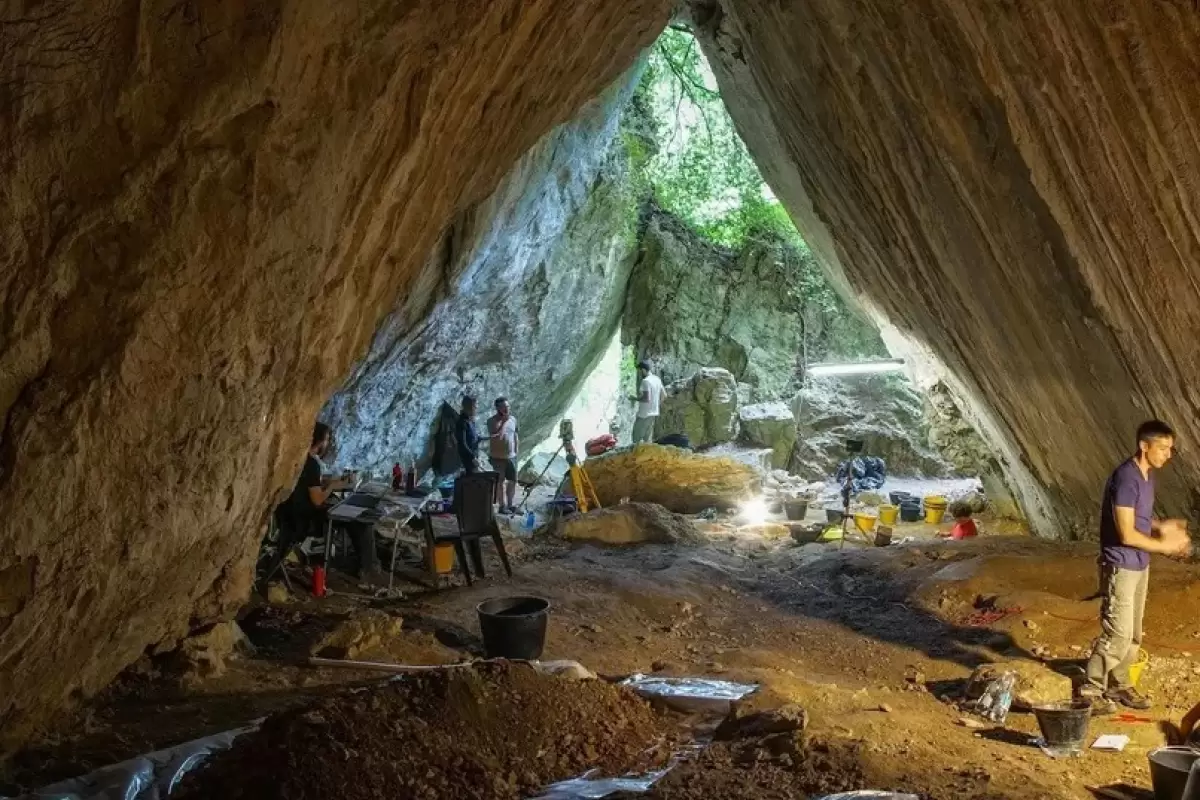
910 512
513 627
1169 767
1064 725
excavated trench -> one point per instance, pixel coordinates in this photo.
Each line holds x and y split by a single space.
213 212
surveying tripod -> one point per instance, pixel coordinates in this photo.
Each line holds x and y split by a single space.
581 484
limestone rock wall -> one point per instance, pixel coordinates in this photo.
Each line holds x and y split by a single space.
693 304
1029 165
530 287
208 208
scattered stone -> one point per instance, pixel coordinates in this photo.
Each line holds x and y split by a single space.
743 724
364 631
885 708
1031 625
973 724
277 594
1036 683
203 654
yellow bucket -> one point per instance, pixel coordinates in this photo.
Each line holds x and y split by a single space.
443 558
888 514
934 514
864 522
1138 667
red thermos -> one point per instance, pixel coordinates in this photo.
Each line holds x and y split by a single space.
397 477
318 588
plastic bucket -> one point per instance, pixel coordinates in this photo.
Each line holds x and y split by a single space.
443 558
1064 725
1138 667
513 627
795 509
910 512
898 498
833 515
1169 767
934 515
888 514
864 522
936 500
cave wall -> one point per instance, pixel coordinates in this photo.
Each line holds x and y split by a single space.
208 208
1012 186
522 297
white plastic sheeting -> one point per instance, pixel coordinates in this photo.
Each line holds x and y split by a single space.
153 776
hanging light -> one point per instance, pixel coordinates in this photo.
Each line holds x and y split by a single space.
857 367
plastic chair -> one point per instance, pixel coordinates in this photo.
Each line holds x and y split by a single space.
477 519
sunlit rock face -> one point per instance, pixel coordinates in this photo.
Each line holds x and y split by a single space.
208 209
524 297
1012 186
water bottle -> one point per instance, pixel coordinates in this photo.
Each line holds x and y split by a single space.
530 522
997 698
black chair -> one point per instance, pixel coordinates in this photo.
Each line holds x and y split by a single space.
476 519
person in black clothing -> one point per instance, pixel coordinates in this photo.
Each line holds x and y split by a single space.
467 436
302 512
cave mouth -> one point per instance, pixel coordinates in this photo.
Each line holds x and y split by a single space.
648 232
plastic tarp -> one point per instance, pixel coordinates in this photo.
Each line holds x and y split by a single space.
690 695
153 776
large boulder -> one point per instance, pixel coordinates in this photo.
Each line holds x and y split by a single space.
884 411
770 425
682 481
704 407
629 523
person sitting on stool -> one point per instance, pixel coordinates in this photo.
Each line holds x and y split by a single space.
303 511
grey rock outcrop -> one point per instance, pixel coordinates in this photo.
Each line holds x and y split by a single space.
884 411
772 425
533 282
704 406
693 304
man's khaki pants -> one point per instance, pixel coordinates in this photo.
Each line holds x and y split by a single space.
643 429
1124 593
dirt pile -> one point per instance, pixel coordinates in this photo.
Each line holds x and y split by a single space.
491 731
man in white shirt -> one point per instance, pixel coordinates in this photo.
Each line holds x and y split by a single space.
650 391
502 451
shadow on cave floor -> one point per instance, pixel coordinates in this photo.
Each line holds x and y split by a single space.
819 630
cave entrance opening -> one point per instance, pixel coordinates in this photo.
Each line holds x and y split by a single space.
758 349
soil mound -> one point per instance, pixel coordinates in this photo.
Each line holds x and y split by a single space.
492 731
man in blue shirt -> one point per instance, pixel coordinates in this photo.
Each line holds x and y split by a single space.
1129 533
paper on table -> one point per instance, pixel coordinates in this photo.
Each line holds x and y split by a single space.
1111 741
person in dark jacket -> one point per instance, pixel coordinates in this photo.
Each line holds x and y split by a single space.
467 436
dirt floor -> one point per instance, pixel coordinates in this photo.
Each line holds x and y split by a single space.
874 643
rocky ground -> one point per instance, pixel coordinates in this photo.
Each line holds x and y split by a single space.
875 644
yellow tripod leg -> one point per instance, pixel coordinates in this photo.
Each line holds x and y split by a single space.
581 499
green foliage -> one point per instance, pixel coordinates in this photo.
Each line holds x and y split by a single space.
684 149
701 170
